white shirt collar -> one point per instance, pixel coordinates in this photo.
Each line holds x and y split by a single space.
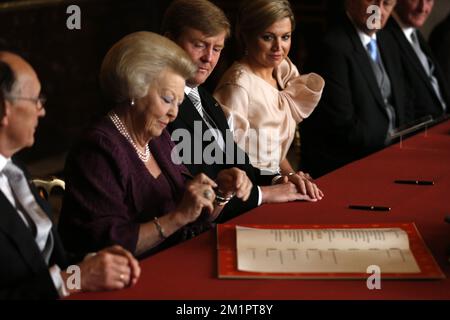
187 90
3 162
364 37
407 30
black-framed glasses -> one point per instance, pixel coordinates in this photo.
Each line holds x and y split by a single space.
39 102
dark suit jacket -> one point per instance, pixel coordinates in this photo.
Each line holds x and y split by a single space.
187 115
440 44
426 101
350 121
23 271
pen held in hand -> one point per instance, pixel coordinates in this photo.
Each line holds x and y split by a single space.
369 208
416 182
187 175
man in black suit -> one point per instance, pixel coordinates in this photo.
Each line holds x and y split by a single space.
440 44
364 100
200 28
31 253
420 66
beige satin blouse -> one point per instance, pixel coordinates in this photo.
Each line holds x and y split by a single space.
264 117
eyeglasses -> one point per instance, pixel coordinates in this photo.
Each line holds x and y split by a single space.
39 101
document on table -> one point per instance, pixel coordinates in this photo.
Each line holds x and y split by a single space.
324 250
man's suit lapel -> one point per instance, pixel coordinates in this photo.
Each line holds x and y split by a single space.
438 73
362 59
13 226
188 113
407 50
214 110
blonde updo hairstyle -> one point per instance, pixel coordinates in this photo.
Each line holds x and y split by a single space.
135 61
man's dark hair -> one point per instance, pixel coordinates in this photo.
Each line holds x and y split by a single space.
7 78
6 83
201 15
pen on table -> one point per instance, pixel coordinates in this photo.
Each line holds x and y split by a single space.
370 208
416 182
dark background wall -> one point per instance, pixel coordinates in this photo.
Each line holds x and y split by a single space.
68 61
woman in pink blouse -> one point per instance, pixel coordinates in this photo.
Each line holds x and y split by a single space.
263 92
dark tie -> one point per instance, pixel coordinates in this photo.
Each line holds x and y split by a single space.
30 207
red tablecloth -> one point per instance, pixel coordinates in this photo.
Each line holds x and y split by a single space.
189 270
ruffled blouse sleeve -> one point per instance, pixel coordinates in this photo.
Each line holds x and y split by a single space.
301 93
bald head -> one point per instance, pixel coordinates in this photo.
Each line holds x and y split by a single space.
23 73
21 103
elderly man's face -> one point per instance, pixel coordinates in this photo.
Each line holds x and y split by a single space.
414 13
23 108
358 11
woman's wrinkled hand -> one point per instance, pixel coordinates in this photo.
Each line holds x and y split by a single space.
305 185
199 195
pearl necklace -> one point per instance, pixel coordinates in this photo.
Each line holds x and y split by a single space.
144 156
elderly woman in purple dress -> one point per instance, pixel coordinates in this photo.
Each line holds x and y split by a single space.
122 186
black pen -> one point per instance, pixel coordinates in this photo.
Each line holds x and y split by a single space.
416 182
370 208
187 175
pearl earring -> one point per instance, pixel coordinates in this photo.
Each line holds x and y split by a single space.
132 102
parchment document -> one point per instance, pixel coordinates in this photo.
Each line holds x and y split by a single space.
324 250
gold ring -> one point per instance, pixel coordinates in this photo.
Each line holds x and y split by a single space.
122 276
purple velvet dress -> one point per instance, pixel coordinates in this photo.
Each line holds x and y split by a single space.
109 192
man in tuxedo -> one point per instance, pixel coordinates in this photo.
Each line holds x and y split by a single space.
422 70
364 99
200 28
31 253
